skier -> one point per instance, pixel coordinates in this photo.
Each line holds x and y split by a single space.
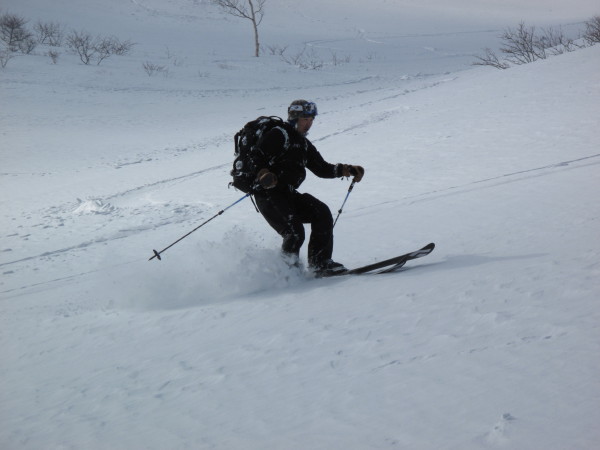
285 154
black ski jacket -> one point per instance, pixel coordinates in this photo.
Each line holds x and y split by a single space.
288 154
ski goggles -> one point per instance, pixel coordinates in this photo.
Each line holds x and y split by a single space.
308 109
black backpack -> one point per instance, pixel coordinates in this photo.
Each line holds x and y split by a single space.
247 141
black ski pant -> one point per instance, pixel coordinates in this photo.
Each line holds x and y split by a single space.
288 211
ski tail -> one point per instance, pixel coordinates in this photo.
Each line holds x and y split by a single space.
391 264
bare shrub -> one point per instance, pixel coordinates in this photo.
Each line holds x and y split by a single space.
522 45
154 69
14 33
103 48
490 59
312 61
121 48
53 56
276 50
555 41
49 33
82 43
337 60
592 31
304 59
294 60
99 48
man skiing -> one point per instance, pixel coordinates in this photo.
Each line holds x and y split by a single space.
284 155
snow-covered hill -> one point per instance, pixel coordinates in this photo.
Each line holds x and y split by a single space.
490 342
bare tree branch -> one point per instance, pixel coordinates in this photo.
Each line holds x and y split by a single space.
253 10
14 33
592 30
520 45
490 59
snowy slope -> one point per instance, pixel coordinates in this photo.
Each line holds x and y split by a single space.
490 342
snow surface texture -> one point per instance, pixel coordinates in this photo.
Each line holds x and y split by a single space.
492 341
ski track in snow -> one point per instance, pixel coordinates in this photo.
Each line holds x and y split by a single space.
487 183
187 214
183 213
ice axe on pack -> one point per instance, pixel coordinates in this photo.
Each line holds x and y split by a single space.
157 253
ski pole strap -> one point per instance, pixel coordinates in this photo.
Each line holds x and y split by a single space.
157 254
346 199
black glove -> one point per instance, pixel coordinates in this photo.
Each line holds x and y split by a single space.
267 180
356 171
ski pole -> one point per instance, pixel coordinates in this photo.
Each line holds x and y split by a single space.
342 207
157 254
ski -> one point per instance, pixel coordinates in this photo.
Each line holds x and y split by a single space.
388 265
